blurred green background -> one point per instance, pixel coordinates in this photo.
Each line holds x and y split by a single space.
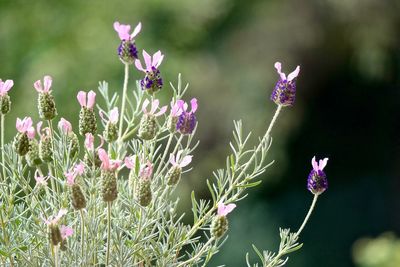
347 105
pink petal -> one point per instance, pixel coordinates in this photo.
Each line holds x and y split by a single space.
38 127
114 164
101 114
91 99
178 156
114 115
172 159
38 86
104 159
185 161
70 178
30 132
159 61
144 106
154 106
89 141
47 83
278 67
79 168
66 231
130 162
193 103
7 86
162 111
156 57
122 30
81 96
65 126
138 65
314 164
61 213
136 30
322 163
224 210
294 74
19 125
147 60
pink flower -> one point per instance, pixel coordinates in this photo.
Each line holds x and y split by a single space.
107 164
91 98
40 180
25 126
319 167
42 132
146 171
130 162
66 231
79 168
112 118
53 220
178 162
5 86
175 108
149 61
123 30
184 106
47 81
224 210
291 76
74 172
65 126
89 141
154 105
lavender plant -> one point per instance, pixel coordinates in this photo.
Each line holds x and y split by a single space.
108 201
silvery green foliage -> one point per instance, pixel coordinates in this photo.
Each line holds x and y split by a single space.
154 235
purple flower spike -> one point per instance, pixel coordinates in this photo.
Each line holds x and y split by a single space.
152 82
284 92
317 182
187 120
127 50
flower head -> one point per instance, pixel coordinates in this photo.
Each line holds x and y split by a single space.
224 210
65 126
151 62
5 86
178 161
154 105
317 182
176 109
123 31
25 126
47 81
89 141
152 82
40 180
112 118
187 120
130 162
53 220
66 231
284 92
90 97
107 163
78 169
146 171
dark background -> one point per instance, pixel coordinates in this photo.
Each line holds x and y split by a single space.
346 108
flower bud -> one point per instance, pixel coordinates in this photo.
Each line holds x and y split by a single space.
78 198
111 132
109 182
219 226
143 192
5 104
127 51
148 127
317 182
46 149
46 106
32 157
72 144
152 81
171 124
55 234
174 175
21 144
284 93
87 121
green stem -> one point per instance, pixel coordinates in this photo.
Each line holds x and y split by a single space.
171 135
82 233
108 232
122 111
2 148
198 255
54 186
55 256
196 226
5 236
308 214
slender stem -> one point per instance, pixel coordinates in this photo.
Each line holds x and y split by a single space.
198 255
122 111
308 214
55 256
2 148
196 226
82 233
171 135
54 186
5 236
108 232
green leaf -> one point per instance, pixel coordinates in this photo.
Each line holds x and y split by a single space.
248 185
194 207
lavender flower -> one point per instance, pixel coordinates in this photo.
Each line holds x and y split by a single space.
87 117
111 131
187 120
152 82
127 50
174 174
5 101
220 224
317 182
46 103
284 92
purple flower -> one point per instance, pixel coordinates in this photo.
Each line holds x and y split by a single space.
5 86
284 92
317 182
152 82
187 120
127 50
224 210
